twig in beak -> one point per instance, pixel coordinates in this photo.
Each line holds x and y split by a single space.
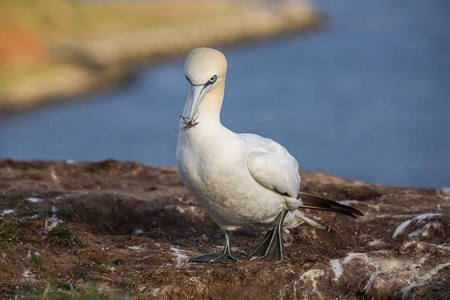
188 123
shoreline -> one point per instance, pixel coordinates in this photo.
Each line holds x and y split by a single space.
89 65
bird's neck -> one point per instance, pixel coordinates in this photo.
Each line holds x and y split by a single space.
209 109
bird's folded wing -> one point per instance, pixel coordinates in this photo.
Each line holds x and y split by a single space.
274 168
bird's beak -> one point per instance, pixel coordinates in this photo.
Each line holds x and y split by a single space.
196 95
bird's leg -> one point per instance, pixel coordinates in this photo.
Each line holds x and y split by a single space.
218 257
272 246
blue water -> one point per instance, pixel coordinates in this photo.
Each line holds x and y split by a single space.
365 97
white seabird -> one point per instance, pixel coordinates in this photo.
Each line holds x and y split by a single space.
240 179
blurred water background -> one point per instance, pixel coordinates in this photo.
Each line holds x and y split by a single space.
365 97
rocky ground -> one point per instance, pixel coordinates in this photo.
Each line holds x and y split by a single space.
125 228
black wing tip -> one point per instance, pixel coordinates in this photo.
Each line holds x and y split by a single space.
348 210
331 205
360 214
352 214
355 213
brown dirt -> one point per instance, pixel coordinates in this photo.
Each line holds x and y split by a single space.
139 223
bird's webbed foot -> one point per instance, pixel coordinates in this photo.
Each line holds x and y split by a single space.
271 247
224 256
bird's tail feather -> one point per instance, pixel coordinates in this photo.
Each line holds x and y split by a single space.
322 203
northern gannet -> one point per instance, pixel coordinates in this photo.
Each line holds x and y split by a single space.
239 179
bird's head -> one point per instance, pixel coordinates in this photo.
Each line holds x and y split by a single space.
204 69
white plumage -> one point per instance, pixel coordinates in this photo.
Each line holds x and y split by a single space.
240 179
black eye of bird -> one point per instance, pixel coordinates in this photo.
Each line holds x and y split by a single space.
212 79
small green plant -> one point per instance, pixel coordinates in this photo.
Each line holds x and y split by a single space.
127 284
66 286
36 259
7 234
108 267
30 248
48 212
66 291
63 237
65 213
100 268
59 212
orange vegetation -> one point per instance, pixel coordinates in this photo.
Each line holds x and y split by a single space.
19 46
